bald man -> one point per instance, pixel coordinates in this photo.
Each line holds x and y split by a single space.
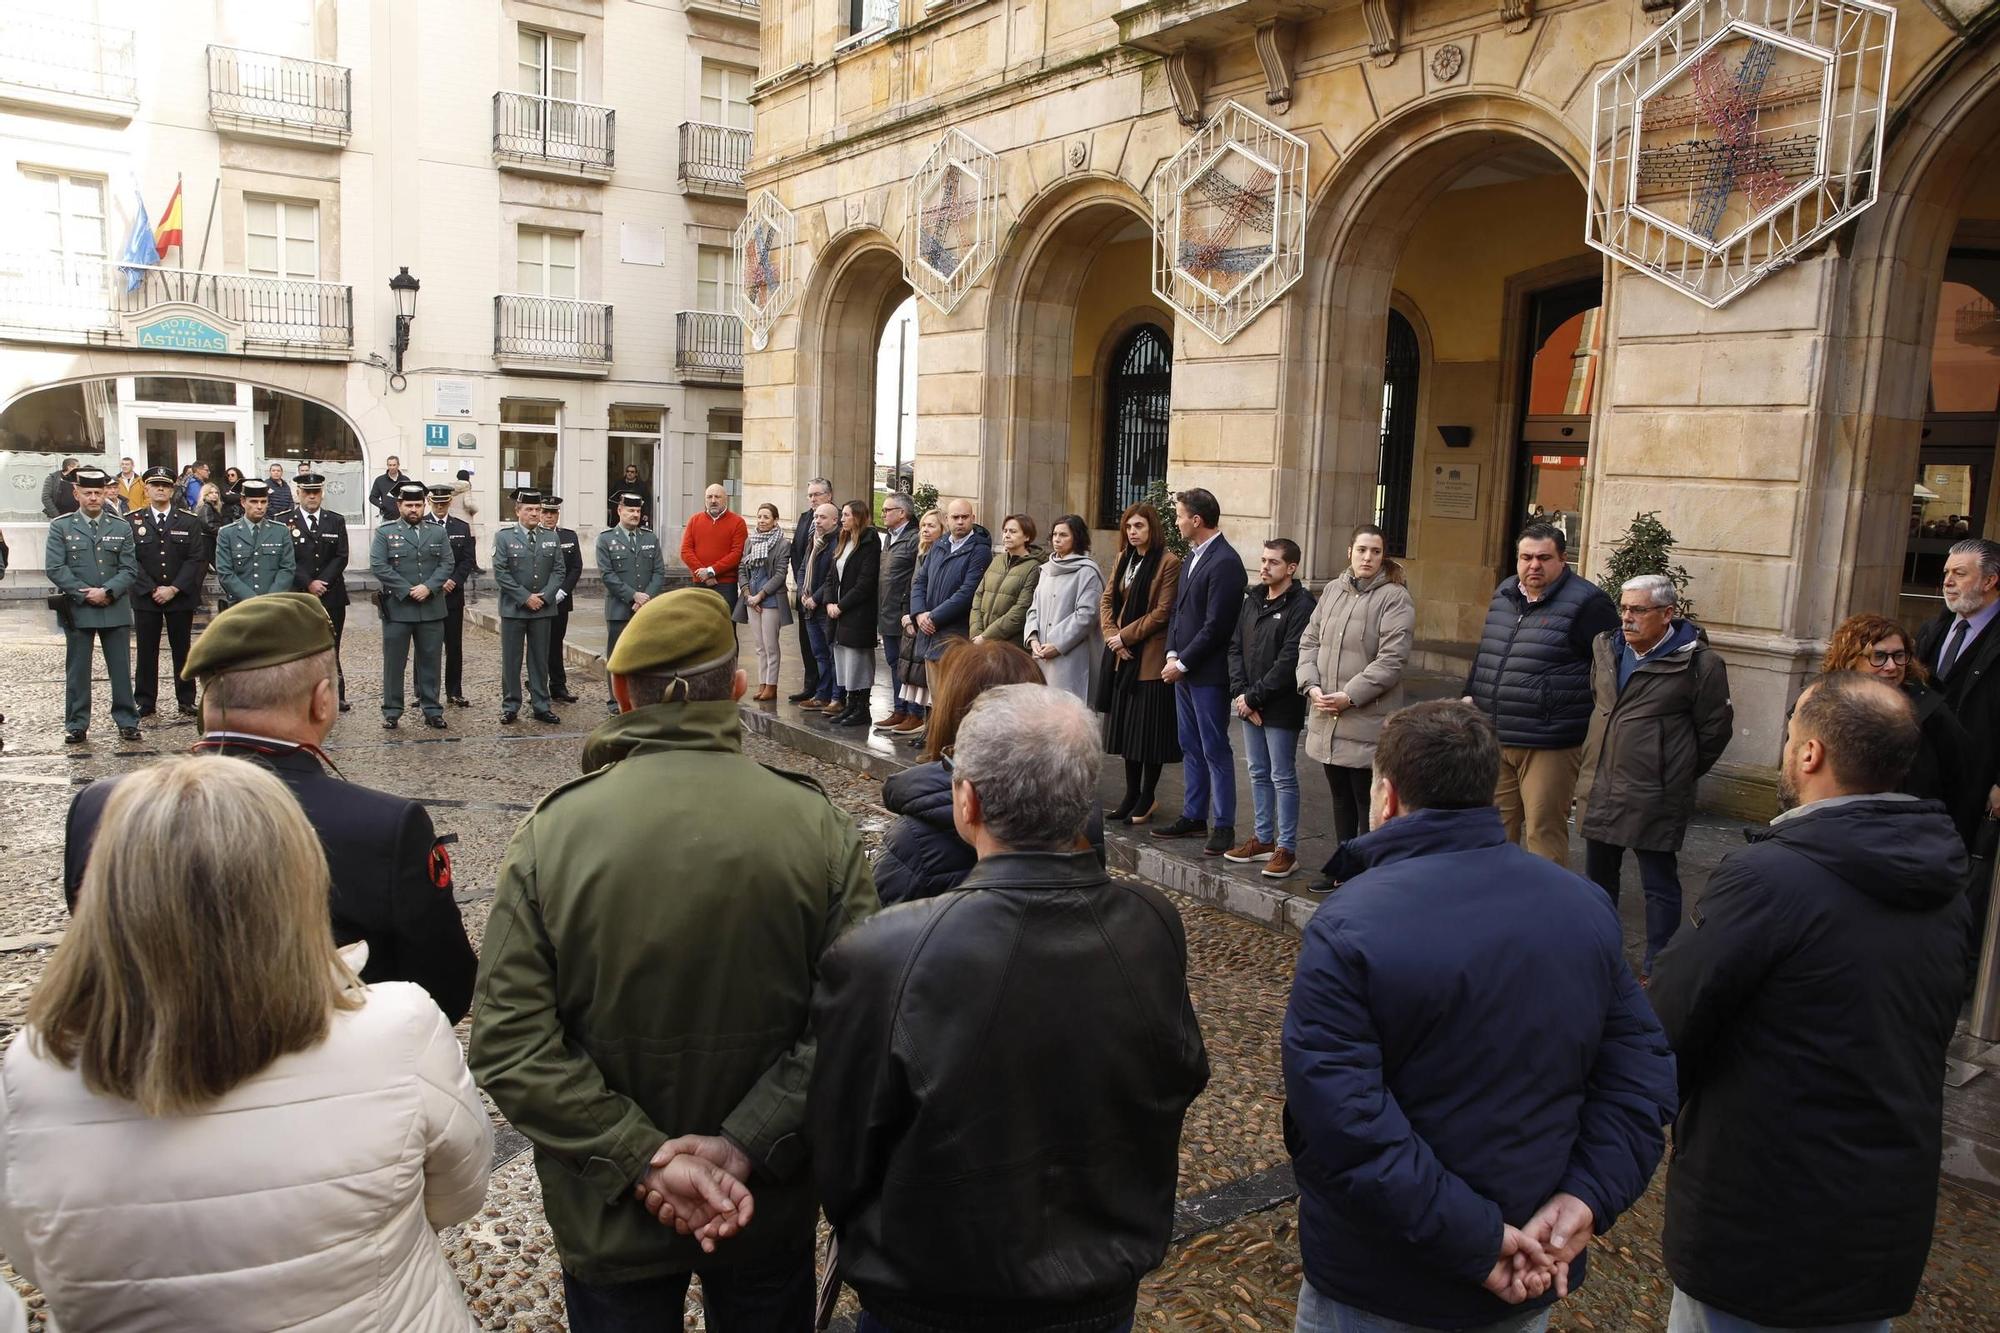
712 544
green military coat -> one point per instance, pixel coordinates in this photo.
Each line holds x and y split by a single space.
629 561
252 559
84 553
527 561
618 1006
403 555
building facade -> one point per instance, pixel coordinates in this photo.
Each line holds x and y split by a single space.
562 179
1429 339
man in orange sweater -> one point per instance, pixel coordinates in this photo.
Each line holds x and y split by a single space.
712 544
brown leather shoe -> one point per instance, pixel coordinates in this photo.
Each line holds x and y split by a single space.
910 726
835 709
1283 862
1243 853
894 720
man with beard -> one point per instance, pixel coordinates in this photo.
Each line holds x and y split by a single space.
712 544
1961 648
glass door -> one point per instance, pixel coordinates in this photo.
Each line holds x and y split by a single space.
1565 342
182 444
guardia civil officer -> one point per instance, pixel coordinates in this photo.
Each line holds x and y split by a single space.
528 570
89 557
411 559
565 597
172 553
459 534
319 567
253 555
633 568
267 674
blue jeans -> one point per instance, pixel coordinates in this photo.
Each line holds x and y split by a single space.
1274 781
819 631
1691 1316
1209 772
870 1324
1659 875
1320 1314
774 1293
890 643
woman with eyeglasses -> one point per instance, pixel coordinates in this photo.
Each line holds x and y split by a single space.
1885 650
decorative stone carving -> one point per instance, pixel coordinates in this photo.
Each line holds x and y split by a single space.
1079 153
1187 80
1516 15
1276 42
954 219
766 288
1447 62
1385 29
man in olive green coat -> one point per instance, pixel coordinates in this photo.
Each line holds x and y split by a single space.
254 554
411 559
528 569
633 568
91 558
628 1020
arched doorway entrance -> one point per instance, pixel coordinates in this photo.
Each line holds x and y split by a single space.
846 313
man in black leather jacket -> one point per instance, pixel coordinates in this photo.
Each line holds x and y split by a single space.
978 1154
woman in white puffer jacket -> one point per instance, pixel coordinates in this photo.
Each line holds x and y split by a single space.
208 1121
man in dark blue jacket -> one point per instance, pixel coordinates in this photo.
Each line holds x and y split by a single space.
819 491
1475 1084
941 591
1206 605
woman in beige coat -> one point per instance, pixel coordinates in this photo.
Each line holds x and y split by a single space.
1351 662
208 1121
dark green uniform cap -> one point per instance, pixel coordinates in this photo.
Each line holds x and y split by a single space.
680 633
265 631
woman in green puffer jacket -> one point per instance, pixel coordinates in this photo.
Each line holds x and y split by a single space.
1000 603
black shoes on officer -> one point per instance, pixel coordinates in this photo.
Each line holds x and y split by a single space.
564 698
73 737
509 718
460 701
544 715
436 722
189 710
129 734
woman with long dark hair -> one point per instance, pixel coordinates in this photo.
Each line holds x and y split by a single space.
849 594
1139 721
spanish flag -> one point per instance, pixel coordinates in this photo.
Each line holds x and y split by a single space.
168 234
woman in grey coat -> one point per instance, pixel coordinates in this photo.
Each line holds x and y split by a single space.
761 580
1063 614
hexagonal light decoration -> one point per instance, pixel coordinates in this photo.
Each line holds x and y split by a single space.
1229 221
1736 137
954 217
765 287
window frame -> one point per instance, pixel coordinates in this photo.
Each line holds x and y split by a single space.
282 207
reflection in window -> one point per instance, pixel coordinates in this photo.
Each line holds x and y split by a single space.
1137 404
164 389
1564 378
529 440
1399 434
1965 343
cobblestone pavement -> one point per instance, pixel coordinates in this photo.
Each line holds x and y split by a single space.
1236 1271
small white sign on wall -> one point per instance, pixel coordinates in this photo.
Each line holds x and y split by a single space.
1454 491
451 397
642 245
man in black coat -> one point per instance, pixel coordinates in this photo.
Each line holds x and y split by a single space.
382 492
173 557
1809 1002
819 491
565 596
459 533
391 873
319 562
1961 649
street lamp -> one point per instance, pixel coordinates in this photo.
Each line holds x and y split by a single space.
405 288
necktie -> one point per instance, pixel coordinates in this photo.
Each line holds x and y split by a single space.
1952 647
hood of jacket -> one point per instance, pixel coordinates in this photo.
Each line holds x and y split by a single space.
713 725
1065 566
1903 853
1391 572
1681 638
922 793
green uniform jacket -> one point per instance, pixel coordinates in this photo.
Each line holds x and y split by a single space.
252 559
620 1003
404 555
527 562
82 554
629 562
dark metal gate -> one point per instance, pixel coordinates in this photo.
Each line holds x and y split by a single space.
1137 405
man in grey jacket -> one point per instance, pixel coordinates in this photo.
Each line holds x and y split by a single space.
899 562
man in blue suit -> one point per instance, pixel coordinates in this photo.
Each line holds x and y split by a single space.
1204 621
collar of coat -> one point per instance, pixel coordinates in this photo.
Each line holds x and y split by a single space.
713 726
1038 870
1419 833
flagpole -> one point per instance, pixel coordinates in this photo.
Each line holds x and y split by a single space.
177 189
207 227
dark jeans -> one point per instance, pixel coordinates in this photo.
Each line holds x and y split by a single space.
1208 771
819 634
770 1296
807 658
1350 799
1659 874
870 1324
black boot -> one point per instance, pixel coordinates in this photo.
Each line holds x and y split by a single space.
857 710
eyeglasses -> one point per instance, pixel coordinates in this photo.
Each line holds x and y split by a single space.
1638 610
1900 657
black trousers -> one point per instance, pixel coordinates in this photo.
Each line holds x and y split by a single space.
454 648
1351 791
146 634
338 615
806 658
558 672
775 1292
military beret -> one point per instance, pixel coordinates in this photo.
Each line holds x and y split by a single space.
90 476
527 497
309 481
412 490
682 632
552 502
632 498
158 474
265 631
443 492
252 489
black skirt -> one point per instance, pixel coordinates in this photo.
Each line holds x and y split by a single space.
1142 724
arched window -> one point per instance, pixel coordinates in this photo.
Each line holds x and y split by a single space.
1137 403
1400 364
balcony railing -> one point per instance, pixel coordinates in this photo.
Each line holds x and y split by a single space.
67 64
550 136
552 330
713 158
280 97
709 346
100 301
745 11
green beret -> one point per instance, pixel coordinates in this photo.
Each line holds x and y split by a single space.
682 632
265 631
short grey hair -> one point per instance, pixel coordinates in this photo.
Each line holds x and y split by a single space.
1988 553
1657 587
1032 752
819 483
285 685
901 501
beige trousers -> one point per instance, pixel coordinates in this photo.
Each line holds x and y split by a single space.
1534 796
764 620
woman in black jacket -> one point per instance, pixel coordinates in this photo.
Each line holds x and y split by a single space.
853 575
1940 768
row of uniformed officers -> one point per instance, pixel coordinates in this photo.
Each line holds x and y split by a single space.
144 570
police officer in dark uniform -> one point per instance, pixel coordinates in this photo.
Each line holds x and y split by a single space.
173 556
319 540
391 873
459 533
565 597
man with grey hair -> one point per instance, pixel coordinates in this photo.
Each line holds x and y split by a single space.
819 491
1661 717
933 1023
1961 649
899 563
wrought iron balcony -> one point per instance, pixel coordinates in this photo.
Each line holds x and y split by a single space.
543 333
47 298
64 64
708 347
262 96
548 136
743 11
713 159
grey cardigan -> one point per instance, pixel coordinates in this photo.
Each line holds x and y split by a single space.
763 571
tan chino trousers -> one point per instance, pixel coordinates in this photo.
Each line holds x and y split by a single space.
1535 792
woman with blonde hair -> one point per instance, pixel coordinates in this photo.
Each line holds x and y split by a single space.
914 697
1885 650
208 1122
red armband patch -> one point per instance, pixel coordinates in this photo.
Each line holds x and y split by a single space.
440 866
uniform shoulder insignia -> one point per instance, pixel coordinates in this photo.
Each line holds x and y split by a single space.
440 864
800 778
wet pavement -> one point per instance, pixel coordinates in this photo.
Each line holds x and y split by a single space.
1235 1264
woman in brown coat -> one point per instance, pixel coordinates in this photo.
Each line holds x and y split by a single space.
1139 721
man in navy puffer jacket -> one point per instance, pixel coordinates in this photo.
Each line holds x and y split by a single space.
1474 1082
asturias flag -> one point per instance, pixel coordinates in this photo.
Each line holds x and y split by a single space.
169 234
140 248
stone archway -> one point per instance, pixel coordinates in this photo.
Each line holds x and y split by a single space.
855 289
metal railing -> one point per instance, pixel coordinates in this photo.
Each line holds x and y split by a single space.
713 155
708 345
743 8
550 131
551 328
64 55
57 295
256 88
